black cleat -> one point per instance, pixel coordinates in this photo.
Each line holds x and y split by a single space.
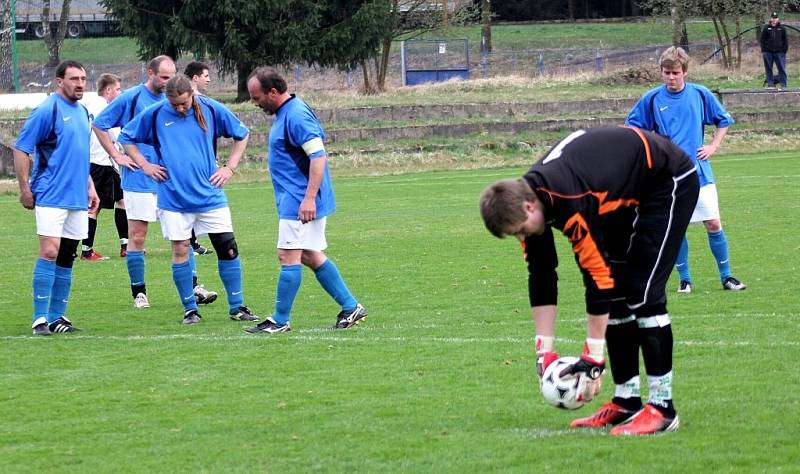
243 313
191 317
269 326
200 250
733 284
348 319
62 324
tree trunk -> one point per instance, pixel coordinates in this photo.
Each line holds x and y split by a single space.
54 40
386 49
6 66
486 26
365 73
242 71
738 41
721 42
571 9
679 34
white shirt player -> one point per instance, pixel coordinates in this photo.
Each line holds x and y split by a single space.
97 154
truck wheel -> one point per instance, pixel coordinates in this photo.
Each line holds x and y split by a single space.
38 31
74 30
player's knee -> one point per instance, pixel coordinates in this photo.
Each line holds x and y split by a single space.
225 245
67 251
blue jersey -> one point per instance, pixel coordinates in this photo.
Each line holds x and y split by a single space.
295 139
57 133
117 114
186 151
682 117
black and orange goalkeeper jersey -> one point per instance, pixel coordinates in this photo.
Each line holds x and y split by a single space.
591 184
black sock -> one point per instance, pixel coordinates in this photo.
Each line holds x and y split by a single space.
193 241
89 241
194 281
631 404
136 289
121 221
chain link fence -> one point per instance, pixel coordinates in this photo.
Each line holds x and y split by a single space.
526 63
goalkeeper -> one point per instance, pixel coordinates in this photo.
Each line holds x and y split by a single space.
623 197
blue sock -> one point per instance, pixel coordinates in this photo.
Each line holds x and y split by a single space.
719 247
135 263
182 276
289 280
331 280
60 295
230 272
43 279
682 265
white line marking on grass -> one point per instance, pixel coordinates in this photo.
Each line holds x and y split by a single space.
539 433
309 335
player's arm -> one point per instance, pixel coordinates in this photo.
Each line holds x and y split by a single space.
705 151
308 207
107 142
22 168
225 172
231 127
640 116
540 254
139 130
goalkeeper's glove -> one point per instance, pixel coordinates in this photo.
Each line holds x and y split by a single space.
543 359
590 376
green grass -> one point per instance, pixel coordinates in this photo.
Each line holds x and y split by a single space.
581 35
114 50
439 378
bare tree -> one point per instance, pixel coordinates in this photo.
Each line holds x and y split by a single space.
6 30
54 40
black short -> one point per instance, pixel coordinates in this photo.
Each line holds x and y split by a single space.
107 184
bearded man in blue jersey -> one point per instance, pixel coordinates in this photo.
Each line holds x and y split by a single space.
304 196
139 190
182 132
680 110
60 192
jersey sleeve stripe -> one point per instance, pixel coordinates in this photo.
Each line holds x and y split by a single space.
646 146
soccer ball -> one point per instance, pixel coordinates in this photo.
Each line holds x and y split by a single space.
561 393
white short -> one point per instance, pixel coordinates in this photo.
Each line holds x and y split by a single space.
179 225
707 205
141 206
293 234
68 223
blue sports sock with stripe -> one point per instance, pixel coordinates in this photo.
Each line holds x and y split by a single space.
230 272
135 263
682 265
289 280
719 247
331 280
62 284
182 276
43 278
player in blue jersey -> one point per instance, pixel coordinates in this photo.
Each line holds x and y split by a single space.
304 196
139 190
182 131
680 110
60 191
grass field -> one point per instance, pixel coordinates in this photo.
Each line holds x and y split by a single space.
439 378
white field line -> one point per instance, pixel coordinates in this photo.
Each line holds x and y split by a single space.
317 336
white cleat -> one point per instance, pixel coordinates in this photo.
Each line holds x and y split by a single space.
141 301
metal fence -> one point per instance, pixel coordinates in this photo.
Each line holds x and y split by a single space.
527 63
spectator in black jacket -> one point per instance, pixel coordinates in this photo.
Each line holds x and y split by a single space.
773 49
